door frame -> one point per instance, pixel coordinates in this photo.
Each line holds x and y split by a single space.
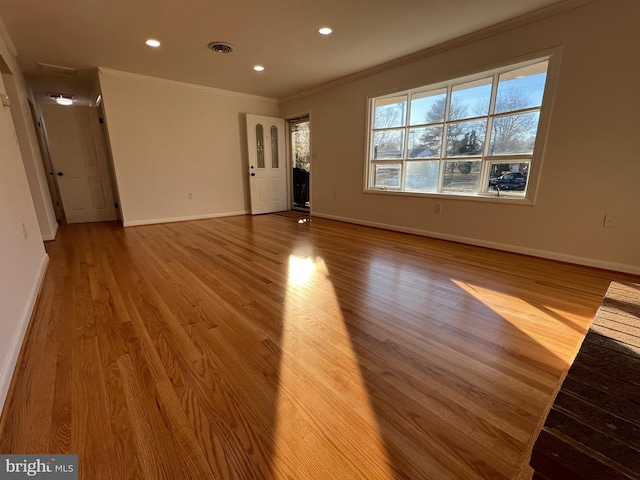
54 192
113 179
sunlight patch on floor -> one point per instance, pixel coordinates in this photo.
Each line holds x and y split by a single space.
325 423
543 323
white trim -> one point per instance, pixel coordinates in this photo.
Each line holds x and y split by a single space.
4 35
202 88
154 221
533 17
561 257
11 359
51 236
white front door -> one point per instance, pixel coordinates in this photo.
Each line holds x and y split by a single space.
267 169
79 159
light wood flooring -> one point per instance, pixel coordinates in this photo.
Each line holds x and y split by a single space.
260 347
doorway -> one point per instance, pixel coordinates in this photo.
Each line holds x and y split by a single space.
77 151
267 169
300 135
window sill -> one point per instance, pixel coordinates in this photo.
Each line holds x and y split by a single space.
504 198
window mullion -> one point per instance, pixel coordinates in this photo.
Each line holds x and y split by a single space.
517 112
443 144
405 150
484 171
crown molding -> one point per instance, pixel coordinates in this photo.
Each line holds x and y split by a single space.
201 88
529 18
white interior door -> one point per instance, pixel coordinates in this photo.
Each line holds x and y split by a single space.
267 169
79 158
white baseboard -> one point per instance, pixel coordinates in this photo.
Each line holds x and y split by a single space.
11 360
588 262
154 221
52 236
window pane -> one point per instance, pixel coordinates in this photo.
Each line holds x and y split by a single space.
260 145
514 134
461 176
386 175
301 144
422 176
510 176
428 107
388 144
425 142
274 147
466 138
390 112
470 99
521 88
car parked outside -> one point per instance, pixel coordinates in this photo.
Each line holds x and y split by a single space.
509 181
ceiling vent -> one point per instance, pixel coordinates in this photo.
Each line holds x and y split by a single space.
48 68
221 47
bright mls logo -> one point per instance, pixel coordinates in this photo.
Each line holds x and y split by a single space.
49 467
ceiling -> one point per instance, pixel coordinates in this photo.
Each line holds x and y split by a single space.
281 35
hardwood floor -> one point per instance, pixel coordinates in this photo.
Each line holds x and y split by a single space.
258 347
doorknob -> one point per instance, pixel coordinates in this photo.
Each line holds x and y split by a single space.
60 174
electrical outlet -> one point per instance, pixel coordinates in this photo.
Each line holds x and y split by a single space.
190 196
437 208
609 221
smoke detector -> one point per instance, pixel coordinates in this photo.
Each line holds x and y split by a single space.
221 47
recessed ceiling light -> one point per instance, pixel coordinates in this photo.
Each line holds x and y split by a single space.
325 31
258 68
153 43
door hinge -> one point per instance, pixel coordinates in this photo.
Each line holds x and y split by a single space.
115 205
100 119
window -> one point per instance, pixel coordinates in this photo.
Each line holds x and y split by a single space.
260 145
471 136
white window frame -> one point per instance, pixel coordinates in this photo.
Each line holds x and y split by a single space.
534 159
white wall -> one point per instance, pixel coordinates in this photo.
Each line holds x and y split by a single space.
590 163
169 139
22 260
